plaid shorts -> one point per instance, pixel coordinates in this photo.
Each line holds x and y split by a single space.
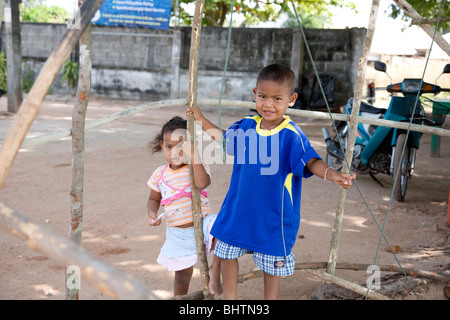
274 265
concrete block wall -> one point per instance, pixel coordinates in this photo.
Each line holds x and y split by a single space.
149 64
131 63
126 48
335 52
38 41
250 49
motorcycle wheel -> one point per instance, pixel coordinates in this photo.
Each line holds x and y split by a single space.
333 161
403 165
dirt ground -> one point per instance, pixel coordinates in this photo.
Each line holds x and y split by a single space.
118 165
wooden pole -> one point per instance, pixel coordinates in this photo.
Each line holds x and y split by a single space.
409 10
2 5
63 133
192 103
105 278
78 129
352 135
348 285
32 104
429 21
409 271
340 265
448 208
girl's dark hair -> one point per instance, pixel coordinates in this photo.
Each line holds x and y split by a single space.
173 124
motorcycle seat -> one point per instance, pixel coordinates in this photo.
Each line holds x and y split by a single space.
366 107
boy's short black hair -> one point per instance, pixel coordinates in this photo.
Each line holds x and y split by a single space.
278 73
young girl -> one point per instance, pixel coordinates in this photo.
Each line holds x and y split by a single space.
170 187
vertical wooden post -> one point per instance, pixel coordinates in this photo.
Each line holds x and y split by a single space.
352 136
2 5
78 129
13 55
297 57
176 49
32 104
192 103
448 209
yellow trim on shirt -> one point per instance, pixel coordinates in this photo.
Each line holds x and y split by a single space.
263 132
288 184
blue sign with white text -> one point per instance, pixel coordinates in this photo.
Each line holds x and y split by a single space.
152 14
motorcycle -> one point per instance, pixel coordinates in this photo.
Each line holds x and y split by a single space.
379 149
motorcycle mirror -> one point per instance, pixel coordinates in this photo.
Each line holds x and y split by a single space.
380 66
446 70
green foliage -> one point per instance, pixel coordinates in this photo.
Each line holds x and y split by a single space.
32 11
3 82
427 9
253 12
309 21
70 73
27 81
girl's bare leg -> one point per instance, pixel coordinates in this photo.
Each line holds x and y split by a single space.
182 280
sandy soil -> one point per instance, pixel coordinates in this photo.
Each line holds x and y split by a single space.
118 165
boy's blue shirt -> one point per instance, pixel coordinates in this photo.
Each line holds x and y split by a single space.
261 211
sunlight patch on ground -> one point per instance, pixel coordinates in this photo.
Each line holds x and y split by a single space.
91 238
316 223
356 221
163 294
145 238
129 263
153 268
46 290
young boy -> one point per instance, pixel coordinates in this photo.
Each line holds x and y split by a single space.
261 211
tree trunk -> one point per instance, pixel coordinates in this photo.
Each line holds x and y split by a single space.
192 103
13 55
78 129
